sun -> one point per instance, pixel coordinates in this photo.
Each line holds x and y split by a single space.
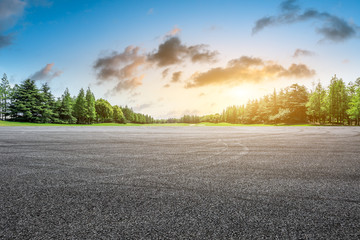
241 92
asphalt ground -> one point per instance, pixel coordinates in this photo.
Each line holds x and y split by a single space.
179 182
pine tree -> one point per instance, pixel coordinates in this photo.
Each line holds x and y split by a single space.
316 106
47 104
5 92
26 102
80 108
90 107
337 100
66 108
354 103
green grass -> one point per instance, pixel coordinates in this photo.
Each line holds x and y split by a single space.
10 124
244 125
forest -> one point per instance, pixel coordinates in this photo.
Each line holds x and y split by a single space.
339 103
336 104
27 103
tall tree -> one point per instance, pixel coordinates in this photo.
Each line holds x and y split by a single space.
80 108
118 115
47 104
337 100
5 91
26 102
317 105
354 104
297 97
128 114
66 108
274 108
90 107
104 110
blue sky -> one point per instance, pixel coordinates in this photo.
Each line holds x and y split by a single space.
169 58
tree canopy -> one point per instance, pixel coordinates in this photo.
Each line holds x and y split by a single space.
337 104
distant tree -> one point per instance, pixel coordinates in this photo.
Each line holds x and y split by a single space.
80 108
118 115
337 100
282 116
317 105
65 111
90 107
47 102
5 92
128 114
354 104
104 110
26 102
252 112
265 109
274 107
296 98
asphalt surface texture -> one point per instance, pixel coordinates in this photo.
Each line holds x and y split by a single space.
179 182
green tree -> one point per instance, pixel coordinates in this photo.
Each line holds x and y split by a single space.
354 104
5 92
80 108
317 105
118 115
128 114
296 99
26 102
47 102
337 100
65 111
90 107
104 110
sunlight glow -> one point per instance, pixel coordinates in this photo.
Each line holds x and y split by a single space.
241 92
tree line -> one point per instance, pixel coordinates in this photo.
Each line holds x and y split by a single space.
337 104
27 103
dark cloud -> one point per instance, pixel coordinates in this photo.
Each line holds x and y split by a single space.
47 73
289 5
176 77
297 71
247 69
302 52
168 53
10 12
331 27
262 23
122 67
5 40
172 51
199 53
128 84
